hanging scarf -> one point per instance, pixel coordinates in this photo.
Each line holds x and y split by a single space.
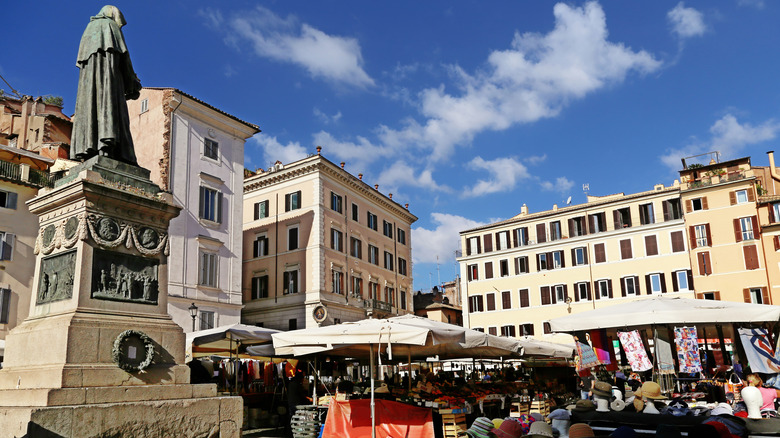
759 352
663 352
635 351
687 342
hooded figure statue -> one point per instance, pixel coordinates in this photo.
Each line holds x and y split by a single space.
106 80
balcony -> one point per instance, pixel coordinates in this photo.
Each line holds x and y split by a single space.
23 174
381 306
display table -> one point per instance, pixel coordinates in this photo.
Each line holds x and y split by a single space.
643 424
352 419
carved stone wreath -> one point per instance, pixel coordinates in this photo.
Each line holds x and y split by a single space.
119 356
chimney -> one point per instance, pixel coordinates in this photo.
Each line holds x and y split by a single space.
555 207
376 186
342 164
390 195
406 206
524 209
319 149
360 176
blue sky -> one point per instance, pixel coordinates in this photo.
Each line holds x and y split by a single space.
464 109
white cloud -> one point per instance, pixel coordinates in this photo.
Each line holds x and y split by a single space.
273 150
441 241
334 58
758 4
535 159
686 22
534 79
402 174
727 136
561 185
504 175
325 118
358 154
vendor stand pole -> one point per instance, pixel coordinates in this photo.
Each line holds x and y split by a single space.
409 370
371 376
316 380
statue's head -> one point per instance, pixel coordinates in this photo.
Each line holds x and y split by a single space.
112 12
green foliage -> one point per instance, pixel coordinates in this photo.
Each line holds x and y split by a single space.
695 166
52 100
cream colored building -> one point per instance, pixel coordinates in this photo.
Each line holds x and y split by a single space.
520 273
196 152
322 247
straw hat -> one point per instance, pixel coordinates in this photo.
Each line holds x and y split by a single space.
603 389
480 428
580 430
639 405
652 391
539 429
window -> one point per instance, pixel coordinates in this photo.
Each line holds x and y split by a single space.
681 280
524 298
756 295
371 220
555 230
597 222
625 249
502 240
259 287
581 291
774 213
630 286
705 267
490 298
488 270
479 329
5 305
655 283
696 204
475 304
335 202
646 214
506 300
577 227
702 235
521 236
6 246
336 321
373 290
508 330
473 246
338 281
751 257
261 209
401 266
622 218
206 320
8 199
488 239
292 237
600 252
473 272
403 299
744 228
492 331
355 212
210 207
208 269
526 329
579 256
292 324
672 209
560 293
651 245
401 235
557 257
715 295
390 295
260 247
604 289
144 106
740 197
336 240
388 261
521 265
210 148
503 266
357 287
547 328
292 201
373 255
678 241
355 248
290 281
541 262
387 229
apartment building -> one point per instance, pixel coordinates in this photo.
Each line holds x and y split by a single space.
520 273
196 152
34 125
322 247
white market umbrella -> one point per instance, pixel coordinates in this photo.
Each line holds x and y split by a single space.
224 340
665 310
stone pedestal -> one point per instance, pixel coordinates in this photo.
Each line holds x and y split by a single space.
99 355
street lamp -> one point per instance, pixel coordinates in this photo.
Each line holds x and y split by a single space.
193 313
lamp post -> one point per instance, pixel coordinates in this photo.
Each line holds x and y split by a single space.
193 313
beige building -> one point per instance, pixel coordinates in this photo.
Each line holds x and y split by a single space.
196 152
22 173
34 125
322 247
520 273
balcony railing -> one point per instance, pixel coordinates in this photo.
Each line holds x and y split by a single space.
24 174
377 305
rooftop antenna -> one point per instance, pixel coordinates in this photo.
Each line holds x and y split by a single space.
568 201
438 274
586 188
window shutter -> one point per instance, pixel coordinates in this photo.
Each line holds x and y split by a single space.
545 295
585 255
488 270
732 198
756 229
202 202
675 286
550 262
688 206
576 293
690 279
592 224
287 202
524 298
7 246
488 242
649 285
491 301
751 257
692 236
663 282
471 305
563 259
616 219
746 295
573 257
298 199
677 241
514 239
541 233
751 195
737 230
601 255
623 286
596 291
772 218
764 295
219 207
609 287
506 300
10 200
571 228
709 234
257 210
531 329
776 240
255 287
468 247
587 290
651 245
637 286
665 206
5 305
565 292
704 205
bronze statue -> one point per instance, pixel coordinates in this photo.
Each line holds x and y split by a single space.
106 81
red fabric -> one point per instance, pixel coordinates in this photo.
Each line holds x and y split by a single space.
352 419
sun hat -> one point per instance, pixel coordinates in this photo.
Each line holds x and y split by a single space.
603 389
584 406
722 409
509 429
639 405
580 430
497 422
617 405
539 429
652 390
481 428
623 432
